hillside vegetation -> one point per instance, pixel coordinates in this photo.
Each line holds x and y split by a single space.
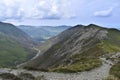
115 70
14 46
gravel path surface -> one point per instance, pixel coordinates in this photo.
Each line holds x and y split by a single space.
95 74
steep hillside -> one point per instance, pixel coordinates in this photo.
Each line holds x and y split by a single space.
42 33
77 49
16 33
15 46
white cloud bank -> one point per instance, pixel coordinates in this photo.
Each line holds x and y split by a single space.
105 13
35 9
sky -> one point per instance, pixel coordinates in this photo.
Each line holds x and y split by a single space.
61 12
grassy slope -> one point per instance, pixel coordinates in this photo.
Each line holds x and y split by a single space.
110 45
85 61
11 51
113 45
78 65
115 70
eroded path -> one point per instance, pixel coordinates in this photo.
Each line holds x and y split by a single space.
95 74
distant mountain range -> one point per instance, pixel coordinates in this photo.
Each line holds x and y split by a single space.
15 45
42 33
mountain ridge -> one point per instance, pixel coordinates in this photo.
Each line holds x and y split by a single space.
90 42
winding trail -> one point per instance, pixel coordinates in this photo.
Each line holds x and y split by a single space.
36 54
32 58
95 74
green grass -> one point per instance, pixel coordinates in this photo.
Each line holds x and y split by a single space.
112 43
11 52
109 46
114 34
78 65
115 70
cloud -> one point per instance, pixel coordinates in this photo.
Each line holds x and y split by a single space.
105 13
35 9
